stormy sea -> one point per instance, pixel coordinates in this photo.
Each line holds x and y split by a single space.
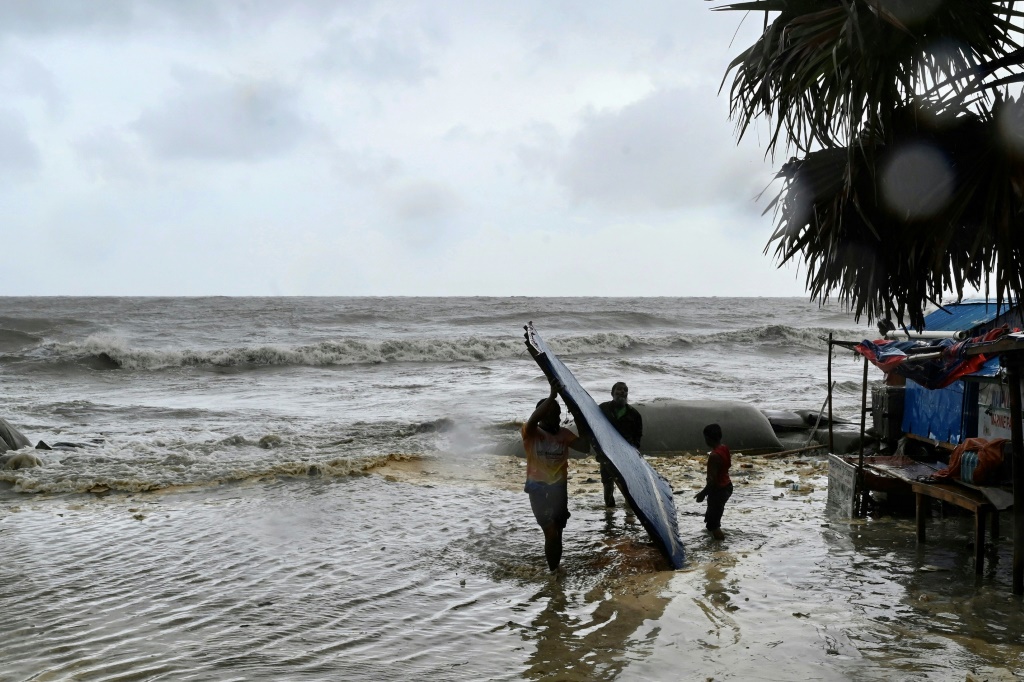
315 489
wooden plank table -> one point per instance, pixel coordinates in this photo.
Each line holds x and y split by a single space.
965 498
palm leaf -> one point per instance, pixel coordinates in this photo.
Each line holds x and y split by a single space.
883 262
856 87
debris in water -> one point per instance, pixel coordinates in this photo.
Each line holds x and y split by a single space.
270 441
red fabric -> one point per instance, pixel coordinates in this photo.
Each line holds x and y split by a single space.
725 461
972 363
892 356
990 457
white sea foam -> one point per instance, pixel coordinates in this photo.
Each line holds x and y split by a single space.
118 352
130 473
341 352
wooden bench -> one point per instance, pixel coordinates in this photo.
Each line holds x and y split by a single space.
962 497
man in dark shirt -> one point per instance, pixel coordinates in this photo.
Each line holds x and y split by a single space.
628 422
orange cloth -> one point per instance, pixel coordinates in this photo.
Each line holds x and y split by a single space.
547 455
990 457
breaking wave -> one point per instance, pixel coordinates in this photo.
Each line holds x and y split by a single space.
111 352
775 334
13 340
107 352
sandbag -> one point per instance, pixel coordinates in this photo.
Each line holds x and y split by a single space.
784 420
678 425
845 438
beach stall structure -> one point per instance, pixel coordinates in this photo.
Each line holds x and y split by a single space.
974 405
954 390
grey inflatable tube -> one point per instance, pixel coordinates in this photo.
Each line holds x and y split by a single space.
11 438
678 426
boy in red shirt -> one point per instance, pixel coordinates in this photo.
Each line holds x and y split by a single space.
718 489
547 446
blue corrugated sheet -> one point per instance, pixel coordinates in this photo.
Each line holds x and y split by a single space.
963 316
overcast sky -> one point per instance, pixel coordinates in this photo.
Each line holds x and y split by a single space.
320 147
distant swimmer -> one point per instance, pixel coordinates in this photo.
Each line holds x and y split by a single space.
718 488
628 422
547 446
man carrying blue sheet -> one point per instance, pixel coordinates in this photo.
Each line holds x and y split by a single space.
547 445
628 422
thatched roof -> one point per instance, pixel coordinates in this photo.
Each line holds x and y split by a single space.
909 179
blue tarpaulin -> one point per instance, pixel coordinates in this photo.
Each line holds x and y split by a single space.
934 413
897 357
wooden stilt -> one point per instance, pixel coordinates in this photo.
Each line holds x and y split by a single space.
921 513
1012 361
863 423
979 540
831 449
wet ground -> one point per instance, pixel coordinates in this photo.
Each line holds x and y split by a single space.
433 568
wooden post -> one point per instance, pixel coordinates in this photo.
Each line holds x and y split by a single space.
831 449
921 514
979 540
863 422
1013 367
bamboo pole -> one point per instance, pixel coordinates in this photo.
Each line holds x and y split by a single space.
806 448
817 422
830 384
863 424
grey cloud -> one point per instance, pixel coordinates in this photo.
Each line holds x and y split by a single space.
541 149
18 153
423 201
386 51
45 16
41 17
366 167
220 119
111 155
684 37
24 75
662 152
88 231
424 211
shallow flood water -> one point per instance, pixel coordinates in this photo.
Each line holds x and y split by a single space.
432 568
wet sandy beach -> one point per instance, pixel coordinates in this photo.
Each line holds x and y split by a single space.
432 567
